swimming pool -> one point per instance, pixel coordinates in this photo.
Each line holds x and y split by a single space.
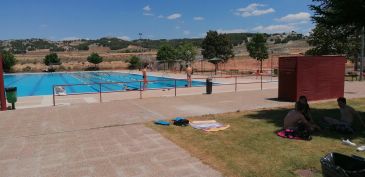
42 83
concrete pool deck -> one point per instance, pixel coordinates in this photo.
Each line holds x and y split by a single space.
109 139
247 83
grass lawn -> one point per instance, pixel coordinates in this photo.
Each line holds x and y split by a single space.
250 147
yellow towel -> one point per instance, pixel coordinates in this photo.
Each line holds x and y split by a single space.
203 121
216 129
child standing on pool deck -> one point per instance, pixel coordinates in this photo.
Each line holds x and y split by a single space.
144 75
189 72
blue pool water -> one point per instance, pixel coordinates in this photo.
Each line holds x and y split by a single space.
42 84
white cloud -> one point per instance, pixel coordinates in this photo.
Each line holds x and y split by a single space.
174 16
253 10
274 28
198 18
298 17
177 27
126 38
239 30
161 16
147 8
186 32
147 11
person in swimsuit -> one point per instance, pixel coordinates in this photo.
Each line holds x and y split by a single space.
144 75
189 72
295 119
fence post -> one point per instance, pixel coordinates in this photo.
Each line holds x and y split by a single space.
235 84
140 90
261 81
175 87
100 99
53 95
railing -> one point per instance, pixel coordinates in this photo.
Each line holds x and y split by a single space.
141 88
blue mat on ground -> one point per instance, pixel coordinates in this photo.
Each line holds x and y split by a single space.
162 122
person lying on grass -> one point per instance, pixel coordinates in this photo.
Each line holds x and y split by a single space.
345 124
307 112
296 121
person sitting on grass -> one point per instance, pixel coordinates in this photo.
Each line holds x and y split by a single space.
307 112
296 121
345 124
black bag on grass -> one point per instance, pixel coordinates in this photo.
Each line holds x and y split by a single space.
339 165
180 121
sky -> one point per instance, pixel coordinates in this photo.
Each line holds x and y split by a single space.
155 19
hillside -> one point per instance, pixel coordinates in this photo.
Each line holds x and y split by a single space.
30 52
143 45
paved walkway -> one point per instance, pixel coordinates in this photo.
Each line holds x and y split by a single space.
108 139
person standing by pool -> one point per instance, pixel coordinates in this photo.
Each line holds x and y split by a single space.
144 75
189 72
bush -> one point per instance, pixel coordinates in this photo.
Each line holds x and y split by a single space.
8 61
91 68
84 46
134 62
52 59
95 59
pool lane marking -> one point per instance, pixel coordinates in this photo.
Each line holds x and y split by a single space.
16 81
117 79
100 78
92 81
35 88
83 82
65 80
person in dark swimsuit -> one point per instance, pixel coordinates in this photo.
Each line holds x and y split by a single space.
144 76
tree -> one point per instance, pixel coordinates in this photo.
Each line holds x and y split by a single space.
217 46
333 41
51 59
257 48
134 62
167 54
95 59
186 52
342 14
335 13
8 60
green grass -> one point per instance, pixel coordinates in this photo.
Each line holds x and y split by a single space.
250 147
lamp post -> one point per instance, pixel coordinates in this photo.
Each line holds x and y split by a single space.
362 54
272 57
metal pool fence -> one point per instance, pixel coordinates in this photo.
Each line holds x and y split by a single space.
98 86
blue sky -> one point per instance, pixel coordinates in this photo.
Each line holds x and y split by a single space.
155 19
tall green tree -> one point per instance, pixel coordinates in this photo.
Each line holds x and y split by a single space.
51 59
8 60
342 14
335 13
185 53
257 48
166 54
334 41
217 47
95 59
